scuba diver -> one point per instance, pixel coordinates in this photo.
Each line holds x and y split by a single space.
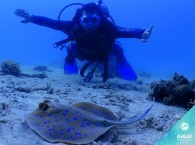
92 37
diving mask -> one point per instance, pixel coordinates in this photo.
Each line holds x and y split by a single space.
90 19
90 22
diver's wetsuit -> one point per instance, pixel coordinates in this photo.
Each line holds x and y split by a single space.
93 46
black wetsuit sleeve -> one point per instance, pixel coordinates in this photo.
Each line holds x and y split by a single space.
128 32
64 26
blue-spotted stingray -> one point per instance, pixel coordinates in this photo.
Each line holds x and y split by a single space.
80 123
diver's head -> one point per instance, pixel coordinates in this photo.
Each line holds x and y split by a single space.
91 17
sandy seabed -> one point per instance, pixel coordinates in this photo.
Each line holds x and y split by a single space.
21 95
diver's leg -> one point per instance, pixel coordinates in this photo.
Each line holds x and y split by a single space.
118 52
125 71
69 59
105 73
70 66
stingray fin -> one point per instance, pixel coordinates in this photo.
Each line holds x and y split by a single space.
131 120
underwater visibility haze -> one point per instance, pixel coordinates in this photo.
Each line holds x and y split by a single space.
170 48
65 108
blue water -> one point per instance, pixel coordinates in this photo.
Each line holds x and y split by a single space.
170 48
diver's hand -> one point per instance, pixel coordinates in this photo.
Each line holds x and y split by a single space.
22 13
146 34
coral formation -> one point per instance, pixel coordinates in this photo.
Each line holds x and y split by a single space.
10 68
191 103
178 91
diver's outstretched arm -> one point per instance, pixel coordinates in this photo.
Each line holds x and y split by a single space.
64 26
142 34
122 32
22 13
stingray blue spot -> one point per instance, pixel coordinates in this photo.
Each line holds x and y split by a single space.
63 124
61 130
71 137
95 113
98 124
60 133
49 115
68 120
56 132
82 125
75 118
44 113
88 123
52 106
66 111
48 126
55 117
57 110
86 135
68 130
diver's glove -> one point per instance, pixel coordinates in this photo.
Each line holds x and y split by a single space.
146 34
22 13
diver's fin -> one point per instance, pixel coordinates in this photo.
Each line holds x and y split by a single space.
71 68
126 72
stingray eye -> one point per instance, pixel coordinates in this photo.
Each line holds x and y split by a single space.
43 106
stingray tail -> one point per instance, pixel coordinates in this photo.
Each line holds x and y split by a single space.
133 119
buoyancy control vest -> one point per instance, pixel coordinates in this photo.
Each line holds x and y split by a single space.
93 46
